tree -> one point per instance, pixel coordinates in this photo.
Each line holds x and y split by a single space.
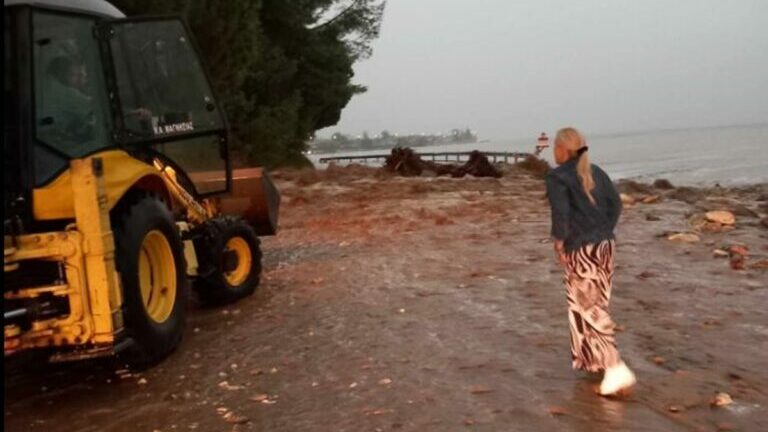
282 69
366 141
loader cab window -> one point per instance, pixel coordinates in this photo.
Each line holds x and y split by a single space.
72 117
162 87
166 101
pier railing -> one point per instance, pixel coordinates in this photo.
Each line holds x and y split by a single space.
446 157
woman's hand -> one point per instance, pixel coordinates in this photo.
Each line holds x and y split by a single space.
560 252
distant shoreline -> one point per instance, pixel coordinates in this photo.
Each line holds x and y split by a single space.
389 148
731 155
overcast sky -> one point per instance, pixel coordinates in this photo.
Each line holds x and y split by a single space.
511 69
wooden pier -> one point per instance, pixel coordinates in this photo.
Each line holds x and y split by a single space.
444 157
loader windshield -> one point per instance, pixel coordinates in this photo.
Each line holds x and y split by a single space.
166 102
162 87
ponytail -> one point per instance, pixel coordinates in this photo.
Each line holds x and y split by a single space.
584 170
573 141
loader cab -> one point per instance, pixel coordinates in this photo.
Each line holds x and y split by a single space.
82 79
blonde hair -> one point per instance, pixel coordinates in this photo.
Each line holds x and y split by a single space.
572 140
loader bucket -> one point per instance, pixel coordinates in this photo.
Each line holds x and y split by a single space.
253 196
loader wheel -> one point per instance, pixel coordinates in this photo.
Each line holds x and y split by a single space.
232 257
150 260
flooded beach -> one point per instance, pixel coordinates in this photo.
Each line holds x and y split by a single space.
435 304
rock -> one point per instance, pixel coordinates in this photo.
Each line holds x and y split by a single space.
627 199
687 194
697 222
633 187
720 253
663 184
684 238
385 381
721 216
232 418
764 222
727 204
480 389
262 398
759 265
738 250
651 199
722 399
227 386
737 261
651 217
557 410
675 408
744 211
712 227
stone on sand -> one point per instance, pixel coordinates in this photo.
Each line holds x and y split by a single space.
684 238
721 216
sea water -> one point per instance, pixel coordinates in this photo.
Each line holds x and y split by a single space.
705 156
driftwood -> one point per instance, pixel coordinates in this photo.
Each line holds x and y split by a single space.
406 162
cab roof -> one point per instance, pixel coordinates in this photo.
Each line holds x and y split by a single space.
90 7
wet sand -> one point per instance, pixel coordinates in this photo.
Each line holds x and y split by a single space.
434 304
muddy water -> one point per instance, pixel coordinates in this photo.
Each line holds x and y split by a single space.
435 305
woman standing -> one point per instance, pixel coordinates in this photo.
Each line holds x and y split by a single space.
585 210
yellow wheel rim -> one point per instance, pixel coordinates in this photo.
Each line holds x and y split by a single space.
240 273
157 276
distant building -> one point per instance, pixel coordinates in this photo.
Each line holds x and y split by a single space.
542 143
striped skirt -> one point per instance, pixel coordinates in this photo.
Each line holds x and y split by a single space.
588 277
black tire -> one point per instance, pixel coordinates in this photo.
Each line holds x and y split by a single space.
133 220
213 286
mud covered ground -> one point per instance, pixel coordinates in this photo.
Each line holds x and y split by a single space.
432 304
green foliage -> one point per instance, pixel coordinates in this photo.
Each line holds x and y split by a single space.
282 69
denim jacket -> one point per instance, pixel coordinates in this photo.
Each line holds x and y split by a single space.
575 220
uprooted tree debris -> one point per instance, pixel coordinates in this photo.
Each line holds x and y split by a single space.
406 162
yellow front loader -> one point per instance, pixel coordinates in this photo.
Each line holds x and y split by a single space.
120 198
